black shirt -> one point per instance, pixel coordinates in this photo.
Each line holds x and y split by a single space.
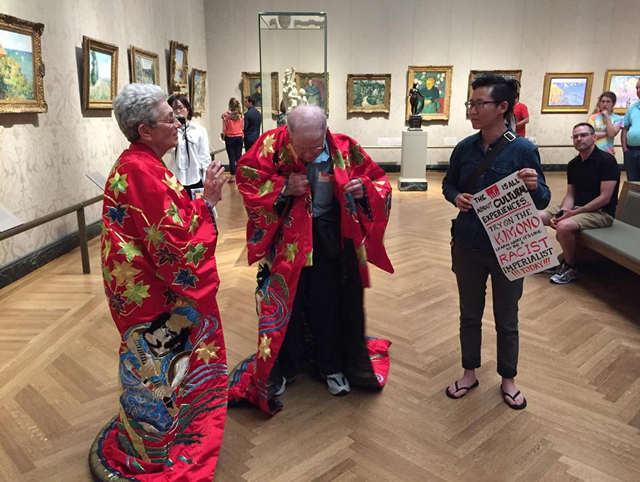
586 176
252 123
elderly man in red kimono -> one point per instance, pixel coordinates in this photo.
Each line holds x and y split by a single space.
161 280
318 207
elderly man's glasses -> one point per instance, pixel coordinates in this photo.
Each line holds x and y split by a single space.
479 104
169 120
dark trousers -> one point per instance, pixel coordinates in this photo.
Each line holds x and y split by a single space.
193 186
318 301
248 143
234 151
472 268
632 164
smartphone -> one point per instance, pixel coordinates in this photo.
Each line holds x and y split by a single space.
559 214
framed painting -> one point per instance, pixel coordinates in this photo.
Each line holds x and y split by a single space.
315 87
434 86
21 67
252 87
368 93
623 84
178 66
567 92
100 75
145 66
198 90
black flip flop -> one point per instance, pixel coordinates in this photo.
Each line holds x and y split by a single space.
513 397
451 395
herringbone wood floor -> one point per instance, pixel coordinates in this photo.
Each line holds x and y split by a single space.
579 369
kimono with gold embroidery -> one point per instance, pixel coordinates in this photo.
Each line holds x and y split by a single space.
279 234
160 279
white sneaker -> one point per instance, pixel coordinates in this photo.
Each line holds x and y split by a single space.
281 388
337 384
565 275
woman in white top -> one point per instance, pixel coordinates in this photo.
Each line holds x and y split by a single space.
190 160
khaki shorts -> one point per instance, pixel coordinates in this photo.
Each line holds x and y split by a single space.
592 220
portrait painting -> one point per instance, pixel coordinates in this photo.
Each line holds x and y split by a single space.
316 88
21 66
100 76
567 92
145 66
434 91
252 87
198 90
368 93
178 66
623 84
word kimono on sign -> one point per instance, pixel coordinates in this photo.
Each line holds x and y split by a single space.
515 229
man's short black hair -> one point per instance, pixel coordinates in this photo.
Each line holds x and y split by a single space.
250 99
185 102
503 89
584 124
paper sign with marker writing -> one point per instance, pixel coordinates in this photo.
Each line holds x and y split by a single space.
517 234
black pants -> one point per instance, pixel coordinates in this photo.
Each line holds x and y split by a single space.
472 269
318 301
193 186
234 151
248 143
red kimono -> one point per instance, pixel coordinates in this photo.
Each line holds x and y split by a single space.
161 280
279 233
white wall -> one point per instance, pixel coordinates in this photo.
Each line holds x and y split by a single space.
44 157
386 36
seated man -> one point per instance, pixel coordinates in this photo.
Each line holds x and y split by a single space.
593 177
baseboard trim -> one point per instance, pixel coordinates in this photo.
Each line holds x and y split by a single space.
32 261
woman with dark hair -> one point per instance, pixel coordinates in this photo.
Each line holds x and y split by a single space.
160 278
232 133
191 158
605 122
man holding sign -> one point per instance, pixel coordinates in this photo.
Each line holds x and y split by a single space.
473 256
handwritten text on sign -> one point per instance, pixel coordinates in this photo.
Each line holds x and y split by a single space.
516 231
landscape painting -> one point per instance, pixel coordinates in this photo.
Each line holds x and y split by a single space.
368 93
198 90
144 66
623 84
21 67
100 79
567 92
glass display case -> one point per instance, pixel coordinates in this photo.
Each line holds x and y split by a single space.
293 51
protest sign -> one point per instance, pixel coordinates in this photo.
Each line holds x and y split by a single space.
515 229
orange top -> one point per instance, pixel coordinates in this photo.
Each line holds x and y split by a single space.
232 128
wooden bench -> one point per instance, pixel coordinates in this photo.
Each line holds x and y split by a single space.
621 241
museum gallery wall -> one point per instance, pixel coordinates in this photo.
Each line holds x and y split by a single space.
48 154
44 156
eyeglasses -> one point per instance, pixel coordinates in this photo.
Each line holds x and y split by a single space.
312 150
582 135
170 120
479 104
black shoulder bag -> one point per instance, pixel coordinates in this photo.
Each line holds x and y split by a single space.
506 138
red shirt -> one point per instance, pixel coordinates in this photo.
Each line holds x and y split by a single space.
521 112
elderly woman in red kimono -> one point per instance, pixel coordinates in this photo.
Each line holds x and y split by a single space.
161 280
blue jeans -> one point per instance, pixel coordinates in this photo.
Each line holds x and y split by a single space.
632 164
234 151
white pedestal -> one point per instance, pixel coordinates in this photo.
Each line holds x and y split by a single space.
413 161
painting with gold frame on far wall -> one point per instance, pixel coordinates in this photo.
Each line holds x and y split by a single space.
435 89
100 74
178 66
368 93
21 66
198 90
509 74
316 88
567 92
623 84
145 66
252 87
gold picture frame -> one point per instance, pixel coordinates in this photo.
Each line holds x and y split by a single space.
316 88
21 53
368 93
432 107
198 91
252 79
567 92
178 66
100 74
623 84
145 66
509 74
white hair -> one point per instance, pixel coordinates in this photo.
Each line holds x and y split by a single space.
137 104
307 121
